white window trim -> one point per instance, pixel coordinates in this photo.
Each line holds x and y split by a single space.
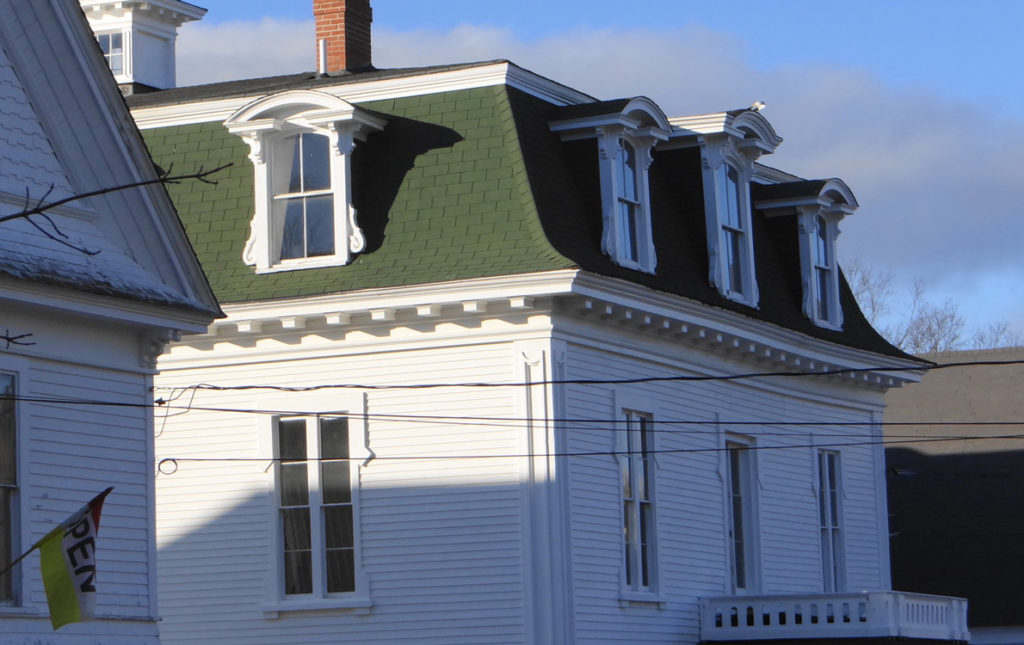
641 123
809 262
613 242
20 604
641 405
266 120
126 74
832 200
751 516
838 555
717 152
276 601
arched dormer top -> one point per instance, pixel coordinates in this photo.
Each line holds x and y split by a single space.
756 130
306 105
832 195
639 116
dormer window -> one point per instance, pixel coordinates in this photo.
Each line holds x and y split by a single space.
301 145
819 205
824 269
633 212
730 143
626 131
302 221
112 45
734 226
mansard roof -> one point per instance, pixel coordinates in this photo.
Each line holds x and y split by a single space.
472 182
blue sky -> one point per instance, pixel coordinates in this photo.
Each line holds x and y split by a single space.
918 106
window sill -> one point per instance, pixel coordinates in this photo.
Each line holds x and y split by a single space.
635 266
827 324
353 604
630 598
16 611
740 298
306 263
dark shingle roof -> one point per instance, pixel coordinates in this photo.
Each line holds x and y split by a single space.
473 183
271 84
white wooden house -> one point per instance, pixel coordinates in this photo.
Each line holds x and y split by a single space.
475 380
90 292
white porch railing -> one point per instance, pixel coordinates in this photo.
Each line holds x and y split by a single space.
868 614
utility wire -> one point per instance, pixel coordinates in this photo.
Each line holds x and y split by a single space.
625 381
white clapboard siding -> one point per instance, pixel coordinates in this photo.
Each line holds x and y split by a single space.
689 489
441 538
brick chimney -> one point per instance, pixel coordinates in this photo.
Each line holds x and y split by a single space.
344 25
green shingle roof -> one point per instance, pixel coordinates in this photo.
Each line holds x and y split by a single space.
442 194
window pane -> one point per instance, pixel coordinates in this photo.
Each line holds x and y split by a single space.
116 43
287 166
338 527
293 229
294 484
628 167
8 445
291 439
341 571
298 572
316 164
334 438
5 542
319 225
732 195
734 260
336 483
295 522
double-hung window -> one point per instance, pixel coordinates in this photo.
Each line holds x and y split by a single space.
317 512
302 219
638 526
829 512
819 205
626 134
741 514
734 243
8 483
824 282
112 45
301 144
631 216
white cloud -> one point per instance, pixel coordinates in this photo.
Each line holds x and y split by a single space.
938 181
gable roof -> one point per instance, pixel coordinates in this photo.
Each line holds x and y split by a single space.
472 182
69 128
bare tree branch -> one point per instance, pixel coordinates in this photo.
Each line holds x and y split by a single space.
18 339
164 177
923 326
50 229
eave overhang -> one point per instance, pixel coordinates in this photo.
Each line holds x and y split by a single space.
571 294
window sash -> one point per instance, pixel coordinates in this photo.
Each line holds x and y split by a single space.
829 511
302 205
740 514
8 482
638 502
316 506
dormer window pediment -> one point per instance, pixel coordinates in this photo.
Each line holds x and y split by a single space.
300 144
627 131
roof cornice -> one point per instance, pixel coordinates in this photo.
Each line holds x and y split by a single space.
487 75
572 292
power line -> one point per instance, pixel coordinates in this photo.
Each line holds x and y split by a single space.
171 463
568 423
624 381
